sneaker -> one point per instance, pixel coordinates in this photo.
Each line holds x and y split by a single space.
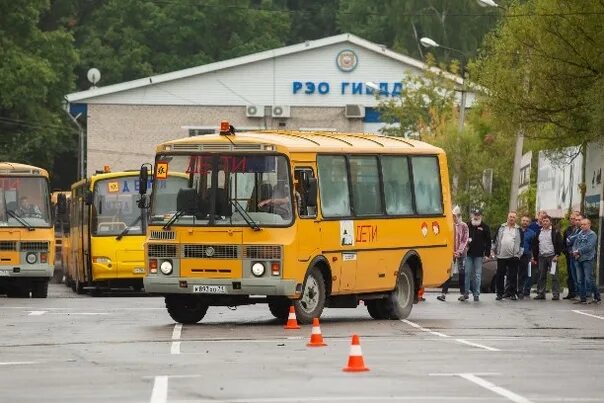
583 302
513 298
462 298
441 297
540 296
499 298
595 301
569 296
577 302
476 299
556 298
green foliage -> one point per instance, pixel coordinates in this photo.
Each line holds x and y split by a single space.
544 72
36 71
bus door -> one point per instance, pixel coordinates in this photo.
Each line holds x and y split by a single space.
309 232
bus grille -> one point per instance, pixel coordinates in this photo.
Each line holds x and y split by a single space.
163 235
162 251
38 246
8 245
211 251
267 252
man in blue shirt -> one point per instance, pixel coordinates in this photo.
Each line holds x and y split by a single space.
584 251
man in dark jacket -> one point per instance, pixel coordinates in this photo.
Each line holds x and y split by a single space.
479 247
547 246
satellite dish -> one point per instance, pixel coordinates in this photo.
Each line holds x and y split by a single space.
94 76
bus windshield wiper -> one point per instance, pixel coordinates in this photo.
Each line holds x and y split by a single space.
248 219
21 220
125 230
173 219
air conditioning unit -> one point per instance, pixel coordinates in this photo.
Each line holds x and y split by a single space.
254 111
281 111
354 111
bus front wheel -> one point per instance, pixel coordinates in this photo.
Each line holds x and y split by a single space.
311 304
400 301
279 307
186 309
39 289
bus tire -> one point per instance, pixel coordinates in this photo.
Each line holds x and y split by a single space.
39 289
186 309
311 304
279 308
377 309
400 301
78 287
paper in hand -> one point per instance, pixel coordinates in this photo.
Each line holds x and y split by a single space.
529 269
552 269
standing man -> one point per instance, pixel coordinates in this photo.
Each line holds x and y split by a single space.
479 247
584 251
527 252
507 248
547 246
570 233
459 255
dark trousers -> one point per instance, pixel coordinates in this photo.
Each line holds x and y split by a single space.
507 267
522 272
461 269
571 272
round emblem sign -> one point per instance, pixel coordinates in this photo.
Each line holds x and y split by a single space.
210 251
347 60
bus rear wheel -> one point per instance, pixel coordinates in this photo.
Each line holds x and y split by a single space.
78 287
186 309
311 304
377 309
39 289
400 301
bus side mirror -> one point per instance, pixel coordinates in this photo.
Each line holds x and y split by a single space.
186 201
143 177
311 192
89 198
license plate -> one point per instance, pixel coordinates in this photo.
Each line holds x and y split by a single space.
4 273
210 289
138 270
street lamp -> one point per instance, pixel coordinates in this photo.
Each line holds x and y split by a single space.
430 43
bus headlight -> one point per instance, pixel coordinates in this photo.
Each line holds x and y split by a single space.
31 258
166 267
258 269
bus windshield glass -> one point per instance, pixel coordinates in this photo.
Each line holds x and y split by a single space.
24 202
114 207
222 190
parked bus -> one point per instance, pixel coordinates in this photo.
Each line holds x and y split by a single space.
27 238
106 233
313 219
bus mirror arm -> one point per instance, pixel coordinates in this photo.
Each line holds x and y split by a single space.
143 178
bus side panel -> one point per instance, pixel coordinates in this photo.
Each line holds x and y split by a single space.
121 259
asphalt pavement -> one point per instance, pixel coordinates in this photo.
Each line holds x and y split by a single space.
125 348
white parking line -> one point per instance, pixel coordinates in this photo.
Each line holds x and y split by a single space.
589 314
423 329
36 313
176 333
18 363
495 389
462 341
160 390
475 378
469 343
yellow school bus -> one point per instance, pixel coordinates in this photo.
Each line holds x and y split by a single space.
105 246
26 233
313 219
59 202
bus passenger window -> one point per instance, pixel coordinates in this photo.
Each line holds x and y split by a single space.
365 186
426 178
397 185
333 186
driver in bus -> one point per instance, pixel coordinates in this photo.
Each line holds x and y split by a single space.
27 209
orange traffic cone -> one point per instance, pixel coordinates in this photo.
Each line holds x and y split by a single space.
316 340
292 322
355 359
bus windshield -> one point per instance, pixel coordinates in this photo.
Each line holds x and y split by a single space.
223 190
24 202
115 208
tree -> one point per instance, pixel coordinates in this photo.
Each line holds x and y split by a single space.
35 74
542 70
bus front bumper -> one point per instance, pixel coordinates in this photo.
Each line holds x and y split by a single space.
37 270
243 286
